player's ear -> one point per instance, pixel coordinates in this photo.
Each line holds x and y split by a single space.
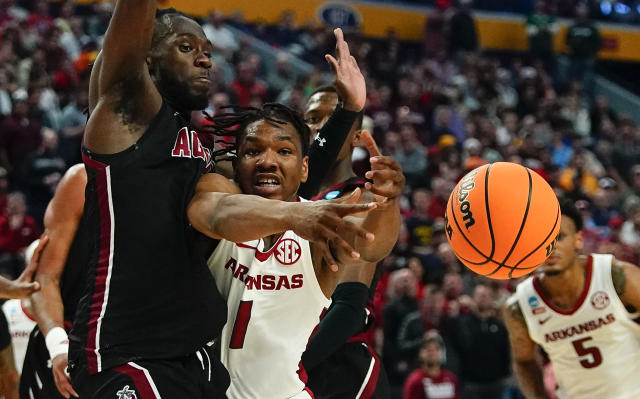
579 241
305 169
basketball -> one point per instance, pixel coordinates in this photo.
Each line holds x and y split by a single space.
502 220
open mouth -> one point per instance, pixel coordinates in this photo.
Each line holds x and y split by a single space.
265 185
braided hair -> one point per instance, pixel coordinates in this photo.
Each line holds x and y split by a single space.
234 124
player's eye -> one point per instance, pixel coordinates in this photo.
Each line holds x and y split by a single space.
285 151
185 47
311 120
251 152
208 54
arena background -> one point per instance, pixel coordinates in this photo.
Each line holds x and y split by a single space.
451 85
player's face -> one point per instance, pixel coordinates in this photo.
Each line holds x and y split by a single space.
181 66
566 250
270 161
317 112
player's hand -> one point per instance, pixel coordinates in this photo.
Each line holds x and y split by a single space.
24 286
322 222
386 172
349 81
63 382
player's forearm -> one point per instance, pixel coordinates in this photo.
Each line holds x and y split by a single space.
47 304
530 379
240 217
384 223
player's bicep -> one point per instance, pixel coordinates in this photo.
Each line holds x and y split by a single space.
626 281
522 346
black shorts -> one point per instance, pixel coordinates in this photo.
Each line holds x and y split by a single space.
353 371
36 380
197 376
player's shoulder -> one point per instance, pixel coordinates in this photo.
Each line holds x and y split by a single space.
75 173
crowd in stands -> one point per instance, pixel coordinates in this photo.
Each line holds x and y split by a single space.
441 107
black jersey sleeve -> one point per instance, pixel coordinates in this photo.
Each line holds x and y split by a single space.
325 149
345 318
5 335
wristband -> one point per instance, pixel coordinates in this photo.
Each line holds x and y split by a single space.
57 342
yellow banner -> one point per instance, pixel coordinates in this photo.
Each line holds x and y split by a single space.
496 32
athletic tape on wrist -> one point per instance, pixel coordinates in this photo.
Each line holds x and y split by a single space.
57 342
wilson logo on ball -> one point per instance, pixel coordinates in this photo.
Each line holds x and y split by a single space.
466 185
288 252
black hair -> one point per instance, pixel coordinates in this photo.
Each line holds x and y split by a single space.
568 209
332 89
234 124
163 26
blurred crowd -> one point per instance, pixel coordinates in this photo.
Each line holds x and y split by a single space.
441 107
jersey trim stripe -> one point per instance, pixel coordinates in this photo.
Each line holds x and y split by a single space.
105 264
371 379
141 378
579 302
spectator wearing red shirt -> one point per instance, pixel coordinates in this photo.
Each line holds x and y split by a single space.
430 380
17 229
246 85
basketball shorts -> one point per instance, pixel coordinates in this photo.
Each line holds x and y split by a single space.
36 381
353 371
199 375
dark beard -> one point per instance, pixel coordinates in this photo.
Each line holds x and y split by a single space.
178 93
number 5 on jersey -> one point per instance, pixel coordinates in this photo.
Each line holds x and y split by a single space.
582 350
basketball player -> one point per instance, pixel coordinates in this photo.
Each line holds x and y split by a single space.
580 310
61 275
275 281
339 360
148 309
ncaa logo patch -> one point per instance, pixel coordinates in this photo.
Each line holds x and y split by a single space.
533 302
288 251
126 393
600 300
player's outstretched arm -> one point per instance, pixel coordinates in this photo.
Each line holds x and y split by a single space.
121 77
352 89
61 221
523 348
219 210
626 280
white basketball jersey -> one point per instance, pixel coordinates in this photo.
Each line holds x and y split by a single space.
594 348
274 302
20 326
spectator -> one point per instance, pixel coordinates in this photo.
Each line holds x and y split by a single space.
4 190
401 302
481 342
420 224
17 229
463 36
430 380
20 134
412 157
282 77
246 84
541 27
630 233
222 38
584 42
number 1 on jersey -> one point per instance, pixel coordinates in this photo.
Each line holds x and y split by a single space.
240 326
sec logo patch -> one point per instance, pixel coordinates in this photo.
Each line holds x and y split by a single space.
600 300
288 252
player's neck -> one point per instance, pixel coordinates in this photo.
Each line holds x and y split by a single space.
565 289
341 171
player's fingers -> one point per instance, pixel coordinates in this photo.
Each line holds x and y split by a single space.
327 255
347 226
381 161
333 63
387 192
352 198
350 209
384 175
370 144
342 244
354 63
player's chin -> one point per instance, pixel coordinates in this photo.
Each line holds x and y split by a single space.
198 98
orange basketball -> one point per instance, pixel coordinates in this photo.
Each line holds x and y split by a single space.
502 220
